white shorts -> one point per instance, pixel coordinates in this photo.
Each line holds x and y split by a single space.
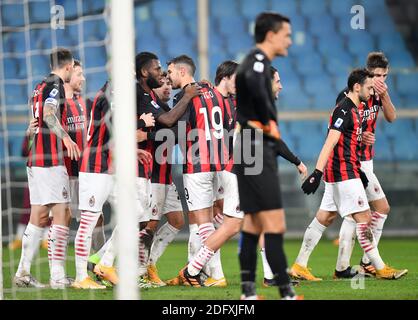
75 212
373 191
218 187
346 197
165 199
94 190
48 185
231 200
198 189
143 198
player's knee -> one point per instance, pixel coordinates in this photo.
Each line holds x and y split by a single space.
177 223
385 209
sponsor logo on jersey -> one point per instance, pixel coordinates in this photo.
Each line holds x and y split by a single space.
338 123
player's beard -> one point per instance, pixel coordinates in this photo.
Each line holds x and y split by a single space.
363 98
153 83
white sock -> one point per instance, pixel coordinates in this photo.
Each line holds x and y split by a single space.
45 233
82 243
194 242
203 256
376 224
205 230
268 274
215 266
109 251
143 250
98 238
49 247
20 230
162 239
218 220
311 238
347 240
368 244
59 240
30 247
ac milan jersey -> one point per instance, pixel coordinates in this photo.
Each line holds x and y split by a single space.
97 156
147 103
74 121
344 162
204 148
46 149
368 113
229 125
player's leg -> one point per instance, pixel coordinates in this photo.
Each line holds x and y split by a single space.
268 274
98 239
347 237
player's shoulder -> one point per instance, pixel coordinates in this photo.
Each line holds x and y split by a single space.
344 107
343 93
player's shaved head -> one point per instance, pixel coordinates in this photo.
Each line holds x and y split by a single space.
185 61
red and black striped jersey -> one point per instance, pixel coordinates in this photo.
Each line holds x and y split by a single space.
229 125
46 149
368 112
204 147
97 155
74 121
344 162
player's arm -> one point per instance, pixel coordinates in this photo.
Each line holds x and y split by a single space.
54 125
170 118
283 150
389 110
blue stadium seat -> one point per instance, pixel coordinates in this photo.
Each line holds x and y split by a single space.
94 30
405 148
308 7
162 9
94 81
145 27
302 43
2 153
241 43
399 130
16 95
10 68
232 26
288 8
39 11
339 63
340 82
95 56
14 42
180 45
321 25
43 38
293 98
407 83
70 6
310 64
401 59
15 143
172 25
390 42
302 128
317 82
310 146
410 101
188 9
12 15
250 9
298 24
40 65
360 43
339 8
331 45
221 8
67 37
344 25
215 60
383 148
93 6
149 43
380 25
216 43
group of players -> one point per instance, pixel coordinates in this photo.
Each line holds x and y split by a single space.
70 161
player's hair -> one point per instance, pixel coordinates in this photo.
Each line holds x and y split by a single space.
358 76
225 69
59 57
142 60
377 60
77 63
165 74
184 59
268 21
273 70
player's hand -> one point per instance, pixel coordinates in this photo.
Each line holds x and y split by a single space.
303 171
144 157
364 179
368 138
380 87
72 148
33 126
140 135
208 83
192 90
311 184
148 119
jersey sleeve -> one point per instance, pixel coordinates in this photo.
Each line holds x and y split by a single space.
341 119
341 95
51 96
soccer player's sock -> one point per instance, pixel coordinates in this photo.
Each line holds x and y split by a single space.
144 246
346 243
49 246
311 238
45 233
368 244
109 251
59 240
247 252
268 274
194 242
215 266
83 241
376 224
205 230
30 247
202 257
20 230
164 236
218 220
98 238
277 260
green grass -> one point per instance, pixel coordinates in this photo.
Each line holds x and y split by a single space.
401 253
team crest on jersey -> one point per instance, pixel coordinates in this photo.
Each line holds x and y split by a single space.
64 193
376 188
154 210
92 201
155 105
221 190
238 209
360 202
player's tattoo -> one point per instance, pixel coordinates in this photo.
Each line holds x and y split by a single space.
53 123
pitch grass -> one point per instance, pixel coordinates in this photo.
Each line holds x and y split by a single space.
401 253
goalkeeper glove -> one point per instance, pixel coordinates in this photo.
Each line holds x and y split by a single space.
364 179
311 184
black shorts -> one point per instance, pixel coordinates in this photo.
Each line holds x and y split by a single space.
260 192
